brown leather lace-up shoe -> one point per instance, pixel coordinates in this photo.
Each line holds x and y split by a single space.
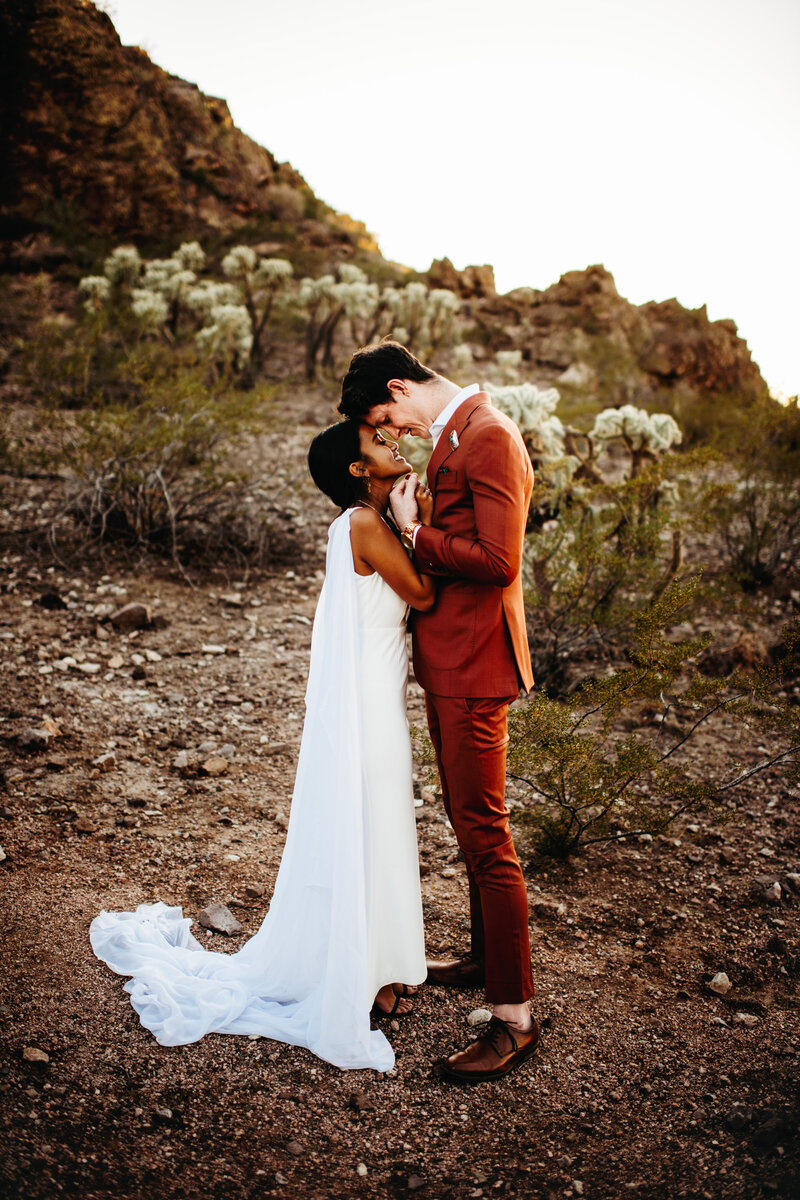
499 1048
466 972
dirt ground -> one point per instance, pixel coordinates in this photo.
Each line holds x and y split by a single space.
647 1084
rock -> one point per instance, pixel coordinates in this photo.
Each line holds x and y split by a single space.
738 1117
115 662
749 1020
361 1169
295 1148
32 740
162 1114
33 1054
777 945
254 890
51 601
360 1102
773 893
479 1016
181 761
89 668
233 599
82 824
214 766
219 918
106 762
131 616
448 873
276 748
720 984
792 881
3 855
153 656
549 910
228 751
213 648
415 1182
769 1131
429 797
727 855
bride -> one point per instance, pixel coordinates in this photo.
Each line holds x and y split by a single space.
343 937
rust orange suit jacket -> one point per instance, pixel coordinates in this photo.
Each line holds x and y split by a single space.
474 642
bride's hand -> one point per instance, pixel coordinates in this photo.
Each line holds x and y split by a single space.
403 500
424 500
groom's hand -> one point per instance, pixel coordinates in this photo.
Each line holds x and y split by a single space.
403 500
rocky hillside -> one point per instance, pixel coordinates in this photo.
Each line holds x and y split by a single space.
104 141
105 146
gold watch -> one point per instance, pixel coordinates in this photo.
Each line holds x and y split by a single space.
407 534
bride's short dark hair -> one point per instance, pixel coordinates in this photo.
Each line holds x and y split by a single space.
369 372
329 458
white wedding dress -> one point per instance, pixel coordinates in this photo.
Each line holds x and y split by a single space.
346 914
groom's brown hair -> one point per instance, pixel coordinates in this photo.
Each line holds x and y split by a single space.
369 372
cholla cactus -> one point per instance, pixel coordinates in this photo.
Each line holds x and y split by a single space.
123 265
463 361
239 262
508 364
532 410
97 290
191 256
167 277
273 271
208 294
150 307
440 315
229 337
644 435
258 283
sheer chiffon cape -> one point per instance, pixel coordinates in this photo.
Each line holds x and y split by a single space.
302 978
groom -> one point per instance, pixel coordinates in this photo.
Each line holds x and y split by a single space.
471 657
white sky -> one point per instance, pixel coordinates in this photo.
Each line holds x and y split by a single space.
660 139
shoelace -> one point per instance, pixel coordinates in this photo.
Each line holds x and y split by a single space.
491 1034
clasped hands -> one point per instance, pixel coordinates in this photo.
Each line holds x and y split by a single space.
411 501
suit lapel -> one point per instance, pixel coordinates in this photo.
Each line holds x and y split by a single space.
456 425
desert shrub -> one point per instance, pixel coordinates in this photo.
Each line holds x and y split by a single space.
616 759
156 476
752 508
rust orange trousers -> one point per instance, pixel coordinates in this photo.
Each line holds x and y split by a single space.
470 737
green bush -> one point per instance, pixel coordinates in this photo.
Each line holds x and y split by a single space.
616 758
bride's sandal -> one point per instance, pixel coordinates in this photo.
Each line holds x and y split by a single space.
383 1014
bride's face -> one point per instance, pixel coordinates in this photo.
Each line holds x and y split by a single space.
380 454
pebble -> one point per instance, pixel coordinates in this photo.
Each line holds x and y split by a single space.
34 739
479 1016
181 761
720 984
33 1054
131 616
361 1169
228 751
448 873
360 1102
152 656
772 894
738 1117
280 1177
219 918
3 855
746 1019
214 766
116 661
549 909
294 1148
213 648
415 1182
254 890
82 824
106 762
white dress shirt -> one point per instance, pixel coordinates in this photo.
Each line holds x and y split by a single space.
444 416
438 426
